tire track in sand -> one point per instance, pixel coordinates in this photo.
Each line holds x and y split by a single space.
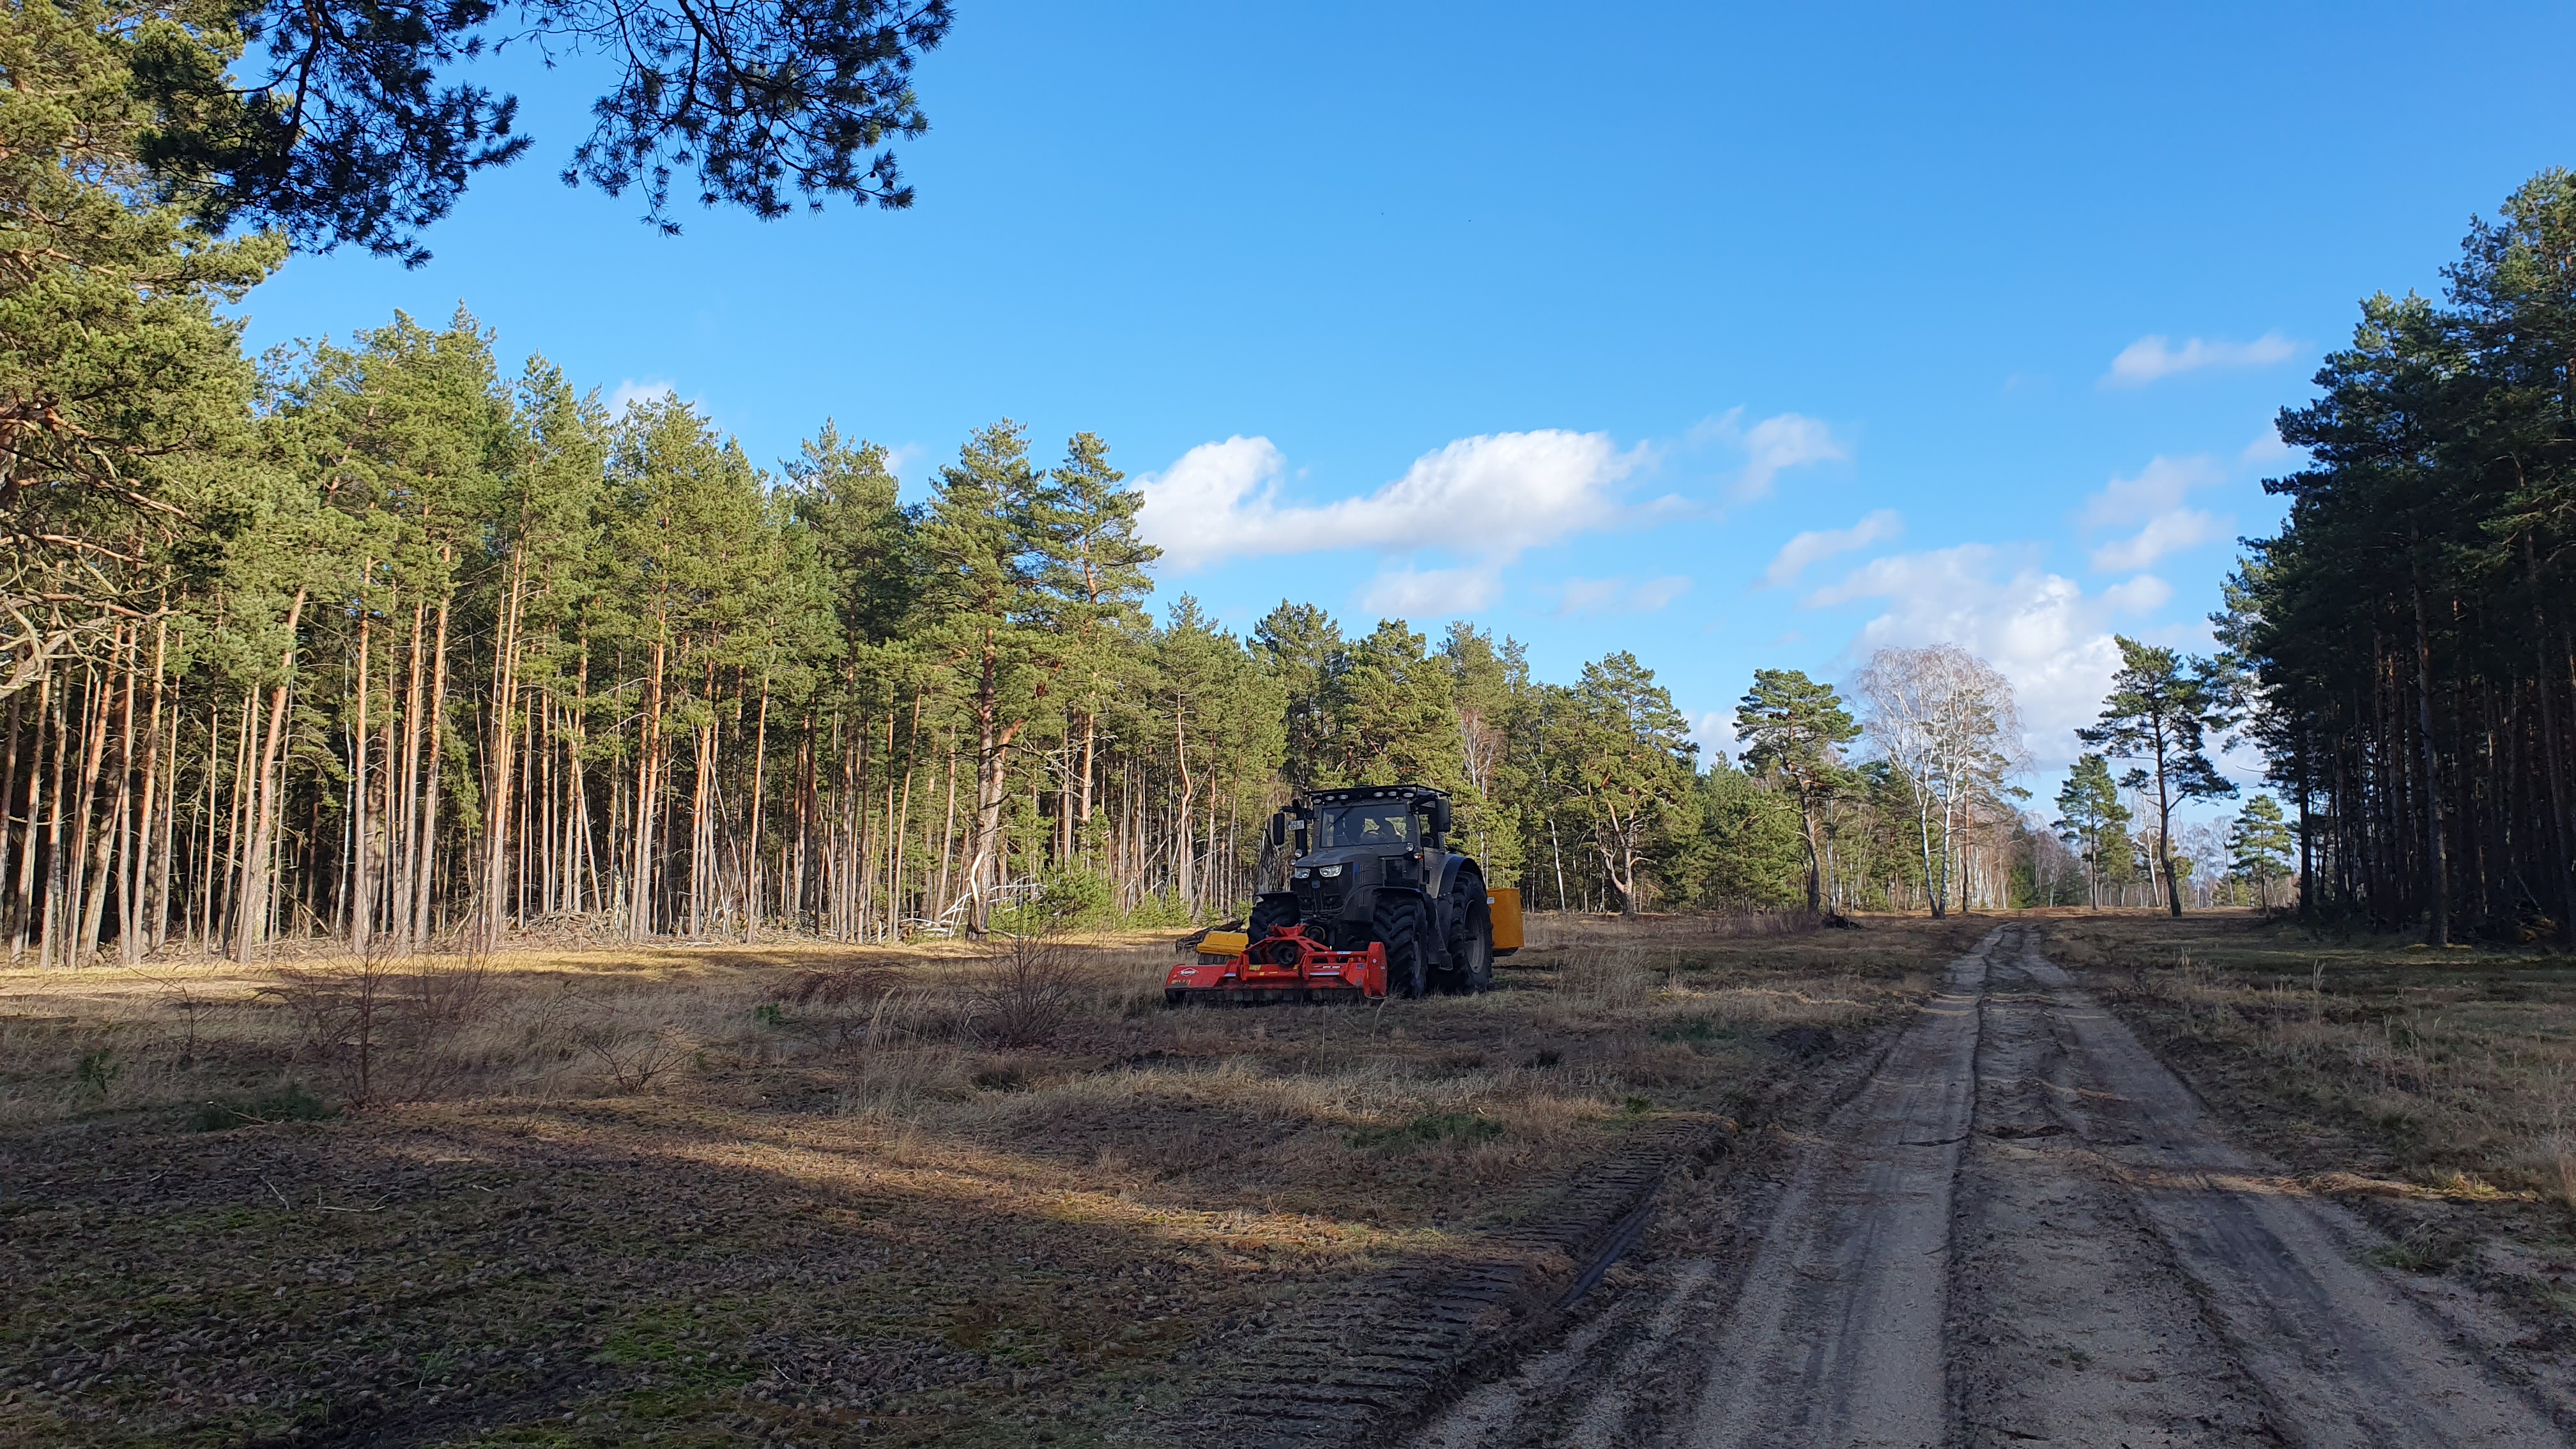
2019 1231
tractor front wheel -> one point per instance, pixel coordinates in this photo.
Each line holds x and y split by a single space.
1270 913
1397 924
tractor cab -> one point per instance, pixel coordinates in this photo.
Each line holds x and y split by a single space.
1349 843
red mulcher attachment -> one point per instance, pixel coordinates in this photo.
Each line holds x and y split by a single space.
1286 965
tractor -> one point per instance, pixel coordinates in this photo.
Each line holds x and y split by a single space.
1377 905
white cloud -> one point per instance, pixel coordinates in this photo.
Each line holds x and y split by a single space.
2165 533
2153 357
1580 596
1488 497
1771 446
2041 629
1410 593
2141 595
2153 500
1654 594
1787 441
629 392
2158 488
1713 731
2266 449
1808 548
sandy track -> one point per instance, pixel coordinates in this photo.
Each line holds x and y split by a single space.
2020 1231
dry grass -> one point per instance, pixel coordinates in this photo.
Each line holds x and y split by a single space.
2437 1090
958 1196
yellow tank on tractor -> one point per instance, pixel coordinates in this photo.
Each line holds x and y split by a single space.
1377 905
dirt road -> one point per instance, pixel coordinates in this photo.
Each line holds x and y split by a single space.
2020 1231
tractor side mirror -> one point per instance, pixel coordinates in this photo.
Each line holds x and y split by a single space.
1439 817
1278 829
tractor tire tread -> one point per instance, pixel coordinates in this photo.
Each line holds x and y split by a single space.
1268 915
1396 921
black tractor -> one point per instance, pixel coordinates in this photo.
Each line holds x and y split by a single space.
1369 864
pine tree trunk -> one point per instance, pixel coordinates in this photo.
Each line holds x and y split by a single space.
256 883
402 852
119 809
752 903
49 941
158 913
500 759
98 694
2437 931
639 909
2553 755
432 771
23 908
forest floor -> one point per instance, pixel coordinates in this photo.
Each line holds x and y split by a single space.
803 1194
2121 1180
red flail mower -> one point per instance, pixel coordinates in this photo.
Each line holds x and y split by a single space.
1286 965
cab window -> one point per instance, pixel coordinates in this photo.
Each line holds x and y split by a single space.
1373 822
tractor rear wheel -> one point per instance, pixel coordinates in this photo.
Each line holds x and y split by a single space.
1397 923
1471 942
1270 913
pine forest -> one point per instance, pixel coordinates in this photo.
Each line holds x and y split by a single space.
394 645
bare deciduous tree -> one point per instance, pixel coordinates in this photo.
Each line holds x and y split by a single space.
1948 722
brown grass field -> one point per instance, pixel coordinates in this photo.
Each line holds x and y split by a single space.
810 1195
2433 1091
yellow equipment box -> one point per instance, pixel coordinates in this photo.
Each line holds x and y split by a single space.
1505 903
1226 945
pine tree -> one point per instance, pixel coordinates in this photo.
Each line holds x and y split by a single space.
2091 818
989 557
1301 647
1628 766
1096 575
1394 720
1491 685
2160 710
2258 845
1795 727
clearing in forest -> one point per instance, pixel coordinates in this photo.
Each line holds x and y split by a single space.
931 1195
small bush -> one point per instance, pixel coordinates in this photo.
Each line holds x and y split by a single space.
1024 993
1077 898
98 1071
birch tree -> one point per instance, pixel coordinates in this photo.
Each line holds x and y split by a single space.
1948 722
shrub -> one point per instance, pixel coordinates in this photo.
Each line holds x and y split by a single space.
98 1071
1076 898
1023 993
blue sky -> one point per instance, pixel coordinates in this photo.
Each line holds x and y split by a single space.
1733 337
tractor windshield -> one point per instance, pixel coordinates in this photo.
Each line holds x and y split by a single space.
1369 822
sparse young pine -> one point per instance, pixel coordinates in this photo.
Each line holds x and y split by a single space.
2092 819
2160 711
2258 845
